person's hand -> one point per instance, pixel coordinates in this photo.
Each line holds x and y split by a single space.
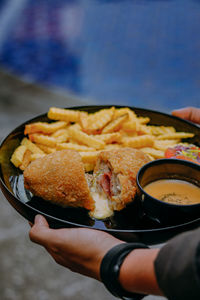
188 113
79 249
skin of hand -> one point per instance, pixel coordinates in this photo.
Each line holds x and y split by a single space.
188 113
137 273
81 250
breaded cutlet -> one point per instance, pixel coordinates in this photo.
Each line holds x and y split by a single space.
60 178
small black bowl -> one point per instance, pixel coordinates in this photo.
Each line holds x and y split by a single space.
163 212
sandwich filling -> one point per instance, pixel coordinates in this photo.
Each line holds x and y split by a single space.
103 187
113 183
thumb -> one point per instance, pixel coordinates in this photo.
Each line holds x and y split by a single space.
40 231
40 221
188 113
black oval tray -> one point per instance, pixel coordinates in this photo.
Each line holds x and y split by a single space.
130 224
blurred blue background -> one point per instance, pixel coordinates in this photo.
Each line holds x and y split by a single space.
144 53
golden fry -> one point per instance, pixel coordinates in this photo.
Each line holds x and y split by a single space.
124 110
26 160
139 141
62 114
84 138
84 120
164 144
89 157
72 146
115 125
108 138
112 146
150 157
175 135
160 130
132 124
34 156
143 129
46 149
43 127
153 152
60 132
17 156
143 120
43 139
32 147
99 120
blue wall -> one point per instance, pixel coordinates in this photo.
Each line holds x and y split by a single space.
144 53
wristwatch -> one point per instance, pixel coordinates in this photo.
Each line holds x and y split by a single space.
110 268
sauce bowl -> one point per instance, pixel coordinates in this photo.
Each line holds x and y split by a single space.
164 212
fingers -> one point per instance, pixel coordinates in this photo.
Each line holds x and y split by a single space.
188 113
40 231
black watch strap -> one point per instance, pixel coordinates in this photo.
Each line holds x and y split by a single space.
110 267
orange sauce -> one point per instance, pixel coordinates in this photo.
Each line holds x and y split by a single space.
174 191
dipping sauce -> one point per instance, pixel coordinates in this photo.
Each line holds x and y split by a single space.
174 191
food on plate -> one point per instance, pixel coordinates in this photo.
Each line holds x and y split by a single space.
139 141
66 115
114 180
95 122
184 151
90 160
60 178
44 127
174 191
89 133
18 155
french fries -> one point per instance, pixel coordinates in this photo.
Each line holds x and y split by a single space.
61 114
89 157
139 141
86 139
18 155
26 160
90 133
97 121
43 139
44 127
115 125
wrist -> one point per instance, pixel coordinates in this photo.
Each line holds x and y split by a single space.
101 255
110 269
137 272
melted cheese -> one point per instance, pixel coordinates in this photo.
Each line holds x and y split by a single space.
102 209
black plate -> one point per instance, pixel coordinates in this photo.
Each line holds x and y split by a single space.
130 224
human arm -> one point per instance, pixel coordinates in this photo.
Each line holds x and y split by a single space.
188 113
177 267
82 250
173 270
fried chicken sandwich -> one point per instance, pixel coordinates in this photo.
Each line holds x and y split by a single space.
60 178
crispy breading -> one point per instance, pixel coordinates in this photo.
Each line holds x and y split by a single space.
60 178
123 163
